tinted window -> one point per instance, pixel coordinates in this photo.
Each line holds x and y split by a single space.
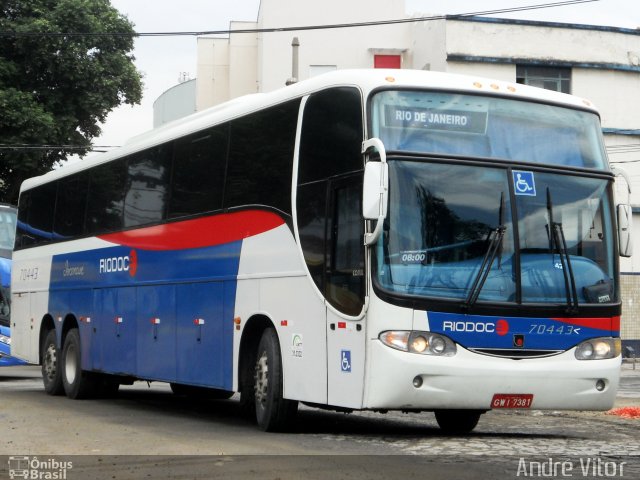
106 198
7 230
146 194
328 211
22 234
345 276
261 158
198 172
71 206
311 219
331 135
35 215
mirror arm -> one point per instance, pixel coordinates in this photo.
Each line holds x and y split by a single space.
618 172
378 145
372 238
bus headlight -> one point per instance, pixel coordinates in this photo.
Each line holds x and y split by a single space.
6 340
425 343
599 349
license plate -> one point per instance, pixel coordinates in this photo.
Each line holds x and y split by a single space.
512 400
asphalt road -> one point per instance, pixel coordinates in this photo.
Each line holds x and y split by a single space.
147 432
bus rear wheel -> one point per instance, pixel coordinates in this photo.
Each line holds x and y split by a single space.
273 411
457 422
77 383
51 371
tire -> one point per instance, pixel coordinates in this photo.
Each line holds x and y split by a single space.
200 392
273 412
51 367
457 422
78 384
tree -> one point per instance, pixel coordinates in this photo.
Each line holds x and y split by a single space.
58 80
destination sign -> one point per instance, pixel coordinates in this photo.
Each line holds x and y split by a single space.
435 119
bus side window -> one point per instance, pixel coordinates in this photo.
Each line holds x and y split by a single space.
260 160
146 195
198 172
106 197
36 226
71 206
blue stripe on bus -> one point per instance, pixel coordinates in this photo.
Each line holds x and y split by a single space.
160 315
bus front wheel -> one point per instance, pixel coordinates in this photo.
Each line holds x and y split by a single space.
273 411
77 383
457 422
51 371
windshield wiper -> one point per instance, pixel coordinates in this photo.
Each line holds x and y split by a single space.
557 238
495 245
494 249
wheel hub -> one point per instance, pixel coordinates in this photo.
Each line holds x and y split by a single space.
261 380
50 362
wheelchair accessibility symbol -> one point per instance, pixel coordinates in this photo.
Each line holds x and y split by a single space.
345 364
524 183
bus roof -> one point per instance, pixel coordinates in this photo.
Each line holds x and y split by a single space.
366 80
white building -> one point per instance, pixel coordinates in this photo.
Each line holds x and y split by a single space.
599 63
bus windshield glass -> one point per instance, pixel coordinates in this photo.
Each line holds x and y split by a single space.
486 127
7 230
450 234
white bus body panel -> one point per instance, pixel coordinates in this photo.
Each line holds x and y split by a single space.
272 281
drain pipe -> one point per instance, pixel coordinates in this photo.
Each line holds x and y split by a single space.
295 45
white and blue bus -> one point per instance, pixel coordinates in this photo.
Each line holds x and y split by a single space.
8 216
363 240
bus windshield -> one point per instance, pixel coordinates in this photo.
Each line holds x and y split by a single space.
7 230
450 225
487 127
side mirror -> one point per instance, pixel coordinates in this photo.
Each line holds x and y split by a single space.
625 217
625 236
374 191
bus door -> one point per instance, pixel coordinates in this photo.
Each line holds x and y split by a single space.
344 293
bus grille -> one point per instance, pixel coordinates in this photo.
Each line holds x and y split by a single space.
516 354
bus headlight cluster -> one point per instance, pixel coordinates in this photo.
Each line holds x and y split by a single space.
4 339
599 349
425 343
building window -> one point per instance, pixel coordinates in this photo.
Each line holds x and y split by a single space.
551 78
387 61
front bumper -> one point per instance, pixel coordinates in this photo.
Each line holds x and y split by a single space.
469 380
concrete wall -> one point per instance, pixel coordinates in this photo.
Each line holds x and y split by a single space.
344 48
212 72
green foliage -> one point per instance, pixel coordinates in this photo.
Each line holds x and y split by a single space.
57 86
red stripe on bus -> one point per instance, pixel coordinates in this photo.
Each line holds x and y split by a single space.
199 232
600 323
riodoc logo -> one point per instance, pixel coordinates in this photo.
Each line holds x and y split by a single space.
124 263
501 327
